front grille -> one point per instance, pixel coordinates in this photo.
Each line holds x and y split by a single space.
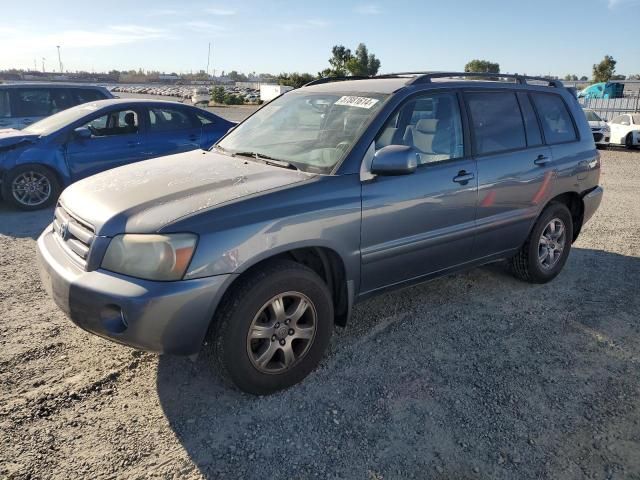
76 235
597 137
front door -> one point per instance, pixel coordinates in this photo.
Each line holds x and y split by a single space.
420 223
115 140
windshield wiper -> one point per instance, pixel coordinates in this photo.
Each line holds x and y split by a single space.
267 159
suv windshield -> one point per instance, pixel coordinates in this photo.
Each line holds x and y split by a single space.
592 116
312 131
57 121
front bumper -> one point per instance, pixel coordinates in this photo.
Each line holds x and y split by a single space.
163 317
591 202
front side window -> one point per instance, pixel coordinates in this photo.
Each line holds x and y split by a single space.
555 118
592 116
34 102
312 131
496 121
167 119
618 120
204 120
431 124
625 120
123 122
5 107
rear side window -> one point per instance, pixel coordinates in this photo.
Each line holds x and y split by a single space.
163 119
532 129
5 108
33 102
496 121
556 120
204 120
86 95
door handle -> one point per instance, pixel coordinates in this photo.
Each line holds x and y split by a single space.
463 177
542 160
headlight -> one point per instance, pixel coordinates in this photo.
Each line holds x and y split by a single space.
152 257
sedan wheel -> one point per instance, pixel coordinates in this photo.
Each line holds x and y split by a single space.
31 189
551 244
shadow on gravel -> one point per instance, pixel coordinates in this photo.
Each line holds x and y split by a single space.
19 224
476 375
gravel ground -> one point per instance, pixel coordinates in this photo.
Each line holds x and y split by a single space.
472 376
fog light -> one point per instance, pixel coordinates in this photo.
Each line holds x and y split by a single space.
113 319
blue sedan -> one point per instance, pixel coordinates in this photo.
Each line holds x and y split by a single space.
36 163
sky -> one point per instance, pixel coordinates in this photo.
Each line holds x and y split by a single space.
541 37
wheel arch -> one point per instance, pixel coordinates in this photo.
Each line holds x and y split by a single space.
573 201
325 261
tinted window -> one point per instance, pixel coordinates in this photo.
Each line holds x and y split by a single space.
122 122
636 119
33 102
5 109
204 120
532 129
162 119
625 120
496 120
555 118
429 123
84 95
618 119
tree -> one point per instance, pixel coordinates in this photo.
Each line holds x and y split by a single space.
603 71
237 77
363 63
618 77
295 79
584 78
570 77
482 66
218 94
343 61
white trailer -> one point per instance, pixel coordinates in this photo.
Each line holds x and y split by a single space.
269 92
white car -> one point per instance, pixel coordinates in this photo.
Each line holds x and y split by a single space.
625 130
599 128
200 95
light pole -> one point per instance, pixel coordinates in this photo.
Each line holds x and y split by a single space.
59 59
43 59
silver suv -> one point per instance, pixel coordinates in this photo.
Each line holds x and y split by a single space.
329 194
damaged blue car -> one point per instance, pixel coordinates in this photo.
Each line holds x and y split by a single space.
38 162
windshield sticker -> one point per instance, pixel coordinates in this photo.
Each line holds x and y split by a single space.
360 102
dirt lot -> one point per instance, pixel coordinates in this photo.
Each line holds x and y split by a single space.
473 376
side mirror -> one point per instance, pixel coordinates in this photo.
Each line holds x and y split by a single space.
395 160
82 133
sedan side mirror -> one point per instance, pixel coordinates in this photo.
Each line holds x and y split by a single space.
395 160
82 132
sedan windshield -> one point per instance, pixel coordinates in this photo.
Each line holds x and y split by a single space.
56 122
592 116
310 131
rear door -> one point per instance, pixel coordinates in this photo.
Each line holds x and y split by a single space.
515 168
171 129
417 224
116 140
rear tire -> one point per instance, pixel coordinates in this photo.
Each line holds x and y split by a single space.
545 252
30 187
273 328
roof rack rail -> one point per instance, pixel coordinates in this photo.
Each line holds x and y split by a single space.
425 77
322 80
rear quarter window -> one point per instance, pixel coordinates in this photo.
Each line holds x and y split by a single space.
86 95
33 102
556 120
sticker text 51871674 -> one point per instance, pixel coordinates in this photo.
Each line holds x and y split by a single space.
354 101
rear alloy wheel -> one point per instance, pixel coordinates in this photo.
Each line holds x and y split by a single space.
30 187
546 250
272 329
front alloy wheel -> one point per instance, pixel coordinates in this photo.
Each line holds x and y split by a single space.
30 187
273 327
282 332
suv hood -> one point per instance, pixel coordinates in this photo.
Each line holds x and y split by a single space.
145 196
10 137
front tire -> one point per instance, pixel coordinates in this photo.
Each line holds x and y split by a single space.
30 187
546 250
628 141
273 328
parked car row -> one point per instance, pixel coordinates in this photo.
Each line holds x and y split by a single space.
328 195
186 92
622 130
